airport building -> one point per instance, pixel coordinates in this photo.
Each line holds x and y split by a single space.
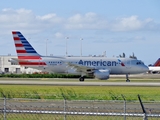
6 66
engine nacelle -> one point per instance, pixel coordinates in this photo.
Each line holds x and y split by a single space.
102 74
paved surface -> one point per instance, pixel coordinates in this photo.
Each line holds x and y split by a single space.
136 80
115 80
17 82
91 106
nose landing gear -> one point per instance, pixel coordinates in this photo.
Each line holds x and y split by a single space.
127 78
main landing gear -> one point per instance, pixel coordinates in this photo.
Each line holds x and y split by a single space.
81 79
127 78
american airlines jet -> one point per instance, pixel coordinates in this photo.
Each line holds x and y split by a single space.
98 67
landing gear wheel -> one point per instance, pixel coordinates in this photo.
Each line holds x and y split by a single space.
127 80
81 79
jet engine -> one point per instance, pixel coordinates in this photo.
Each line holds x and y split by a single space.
102 74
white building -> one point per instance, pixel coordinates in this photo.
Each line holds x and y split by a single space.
8 67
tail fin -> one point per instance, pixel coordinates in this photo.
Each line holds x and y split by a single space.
27 55
23 48
157 63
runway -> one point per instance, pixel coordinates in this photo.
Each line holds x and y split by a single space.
76 83
115 80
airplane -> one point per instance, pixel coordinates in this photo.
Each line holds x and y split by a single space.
154 68
98 67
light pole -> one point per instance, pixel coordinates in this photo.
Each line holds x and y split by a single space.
81 45
66 46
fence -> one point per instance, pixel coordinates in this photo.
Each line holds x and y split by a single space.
41 109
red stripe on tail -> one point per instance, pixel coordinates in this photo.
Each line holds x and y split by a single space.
18 45
13 32
16 38
21 51
30 57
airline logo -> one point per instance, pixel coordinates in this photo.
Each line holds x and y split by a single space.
25 52
100 63
97 63
120 62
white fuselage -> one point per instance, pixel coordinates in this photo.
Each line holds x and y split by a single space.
62 65
154 69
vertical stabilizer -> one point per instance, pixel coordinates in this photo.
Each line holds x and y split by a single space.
157 63
26 53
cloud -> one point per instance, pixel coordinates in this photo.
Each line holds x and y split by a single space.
13 18
23 19
87 21
50 18
59 35
132 23
28 21
92 21
126 24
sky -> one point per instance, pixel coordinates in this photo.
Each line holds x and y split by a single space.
87 27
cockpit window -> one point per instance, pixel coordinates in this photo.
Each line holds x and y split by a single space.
137 62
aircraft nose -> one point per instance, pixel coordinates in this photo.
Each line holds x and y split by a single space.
145 69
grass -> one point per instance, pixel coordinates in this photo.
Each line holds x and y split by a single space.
80 92
68 117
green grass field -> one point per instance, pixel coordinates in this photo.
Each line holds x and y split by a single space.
80 92
68 117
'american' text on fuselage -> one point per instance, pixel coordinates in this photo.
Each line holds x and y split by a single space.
98 63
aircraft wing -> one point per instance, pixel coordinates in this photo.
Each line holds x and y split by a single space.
91 71
80 68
